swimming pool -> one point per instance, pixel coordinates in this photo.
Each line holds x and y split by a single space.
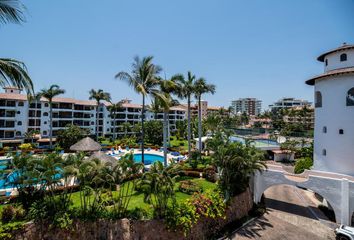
148 158
258 143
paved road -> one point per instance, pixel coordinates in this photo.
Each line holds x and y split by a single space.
291 214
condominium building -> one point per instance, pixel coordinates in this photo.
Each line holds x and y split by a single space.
250 106
205 109
289 103
18 115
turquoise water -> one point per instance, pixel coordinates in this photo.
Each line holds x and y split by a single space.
256 142
148 158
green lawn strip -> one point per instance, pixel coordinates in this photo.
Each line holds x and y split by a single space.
182 144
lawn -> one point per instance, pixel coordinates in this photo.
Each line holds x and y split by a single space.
181 144
137 199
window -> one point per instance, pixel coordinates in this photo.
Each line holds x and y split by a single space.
318 99
45 133
18 133
20 104
46 105
324 152
19 123
341 131
324 130
45 114
18 112
326 62
92 123
45 122
343 57
350 97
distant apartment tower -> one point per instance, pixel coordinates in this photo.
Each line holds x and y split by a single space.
289 103
250 106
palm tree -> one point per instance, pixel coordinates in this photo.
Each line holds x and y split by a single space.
186 90
13 72
49 94
144 80
126 127
99 95
114 108
201 87
167 87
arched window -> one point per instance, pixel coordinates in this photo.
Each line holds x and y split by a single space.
19 123
18 133
326 62
343 57
324 152
318 99
341 131
45 114
350 97
324 130
45 133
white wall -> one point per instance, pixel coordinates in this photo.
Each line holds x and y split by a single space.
335 115
334 60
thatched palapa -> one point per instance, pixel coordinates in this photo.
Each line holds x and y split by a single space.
86 144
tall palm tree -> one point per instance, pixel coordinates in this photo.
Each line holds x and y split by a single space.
13 72
186 91
168 87
201 87
114 108
49 94
144 80
99 95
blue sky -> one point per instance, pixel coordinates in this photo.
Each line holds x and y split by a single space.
263 49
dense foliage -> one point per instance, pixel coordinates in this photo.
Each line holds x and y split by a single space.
302 164
153 130
70 135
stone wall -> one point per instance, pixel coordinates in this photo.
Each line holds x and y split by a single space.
143 230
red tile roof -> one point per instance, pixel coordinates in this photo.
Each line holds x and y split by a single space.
341 71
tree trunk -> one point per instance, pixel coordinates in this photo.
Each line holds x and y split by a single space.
189 127
50 125
200 125
142 130
165 125
114 127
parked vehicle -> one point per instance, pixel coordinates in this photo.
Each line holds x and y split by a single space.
344 233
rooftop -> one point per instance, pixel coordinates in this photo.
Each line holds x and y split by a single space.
341 48
335 72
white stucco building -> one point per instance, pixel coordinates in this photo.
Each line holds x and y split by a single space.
334 112
332 176
18 115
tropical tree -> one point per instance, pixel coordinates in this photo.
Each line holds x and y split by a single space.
70 135
201 87
126 126
158 186
114 108
186 89
167 87
98 96
49 94
13 72
144 80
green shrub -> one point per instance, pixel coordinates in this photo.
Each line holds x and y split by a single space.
185 215
302 164
189 187
210 174
7 230
194 174
8 214
138 214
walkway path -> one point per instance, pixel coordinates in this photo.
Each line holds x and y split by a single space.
291 214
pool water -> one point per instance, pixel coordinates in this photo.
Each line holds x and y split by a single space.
148 158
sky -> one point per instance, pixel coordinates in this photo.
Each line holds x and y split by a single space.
247 48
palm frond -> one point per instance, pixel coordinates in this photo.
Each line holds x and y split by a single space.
11 11
14 73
